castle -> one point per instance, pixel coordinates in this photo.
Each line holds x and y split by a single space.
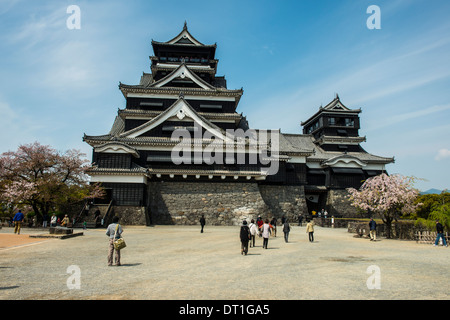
234 172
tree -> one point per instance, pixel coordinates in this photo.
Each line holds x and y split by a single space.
429 203
435 207
43 178
386 196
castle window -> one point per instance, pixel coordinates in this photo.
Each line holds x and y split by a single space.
349 122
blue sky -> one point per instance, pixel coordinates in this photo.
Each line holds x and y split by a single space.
290 57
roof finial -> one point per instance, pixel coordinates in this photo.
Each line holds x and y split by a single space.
185 25
337 96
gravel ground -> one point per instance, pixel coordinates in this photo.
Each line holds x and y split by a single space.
180 263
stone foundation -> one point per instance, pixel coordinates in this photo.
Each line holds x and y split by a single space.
288 201
338 205
226 203
130 215
221 203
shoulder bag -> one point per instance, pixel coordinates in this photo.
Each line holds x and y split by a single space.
118 243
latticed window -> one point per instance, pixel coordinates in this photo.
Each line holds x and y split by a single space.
114 160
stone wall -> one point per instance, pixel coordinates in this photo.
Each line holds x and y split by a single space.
288 201
226 203
339 206
221 203
130 215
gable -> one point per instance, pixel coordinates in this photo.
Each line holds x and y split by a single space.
344 161
336 105
117 147
180 110
185 38
182 75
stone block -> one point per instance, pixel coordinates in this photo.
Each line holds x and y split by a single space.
60 230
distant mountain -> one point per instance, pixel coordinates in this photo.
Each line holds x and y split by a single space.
431 191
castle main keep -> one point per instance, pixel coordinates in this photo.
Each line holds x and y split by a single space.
179 150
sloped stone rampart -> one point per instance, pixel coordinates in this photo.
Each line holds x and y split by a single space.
221 203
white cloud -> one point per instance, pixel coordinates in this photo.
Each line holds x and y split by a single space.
399 118
442 154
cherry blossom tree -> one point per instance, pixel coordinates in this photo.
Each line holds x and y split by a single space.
389 197
43 178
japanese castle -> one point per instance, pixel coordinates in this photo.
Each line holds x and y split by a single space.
182 104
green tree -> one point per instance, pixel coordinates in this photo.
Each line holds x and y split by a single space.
429 203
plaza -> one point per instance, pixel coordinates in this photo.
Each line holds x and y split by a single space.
180 263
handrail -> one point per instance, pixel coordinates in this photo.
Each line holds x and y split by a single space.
107 211
78 219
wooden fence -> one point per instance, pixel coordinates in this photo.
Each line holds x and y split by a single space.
429 237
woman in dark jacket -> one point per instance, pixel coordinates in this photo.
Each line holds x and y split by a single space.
245 237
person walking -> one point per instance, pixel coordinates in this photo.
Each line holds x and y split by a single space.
265 231
286 230
273 222
300 220
440 234
245 237
202 222
260 223
253 231
373 230
18 220
114 231
310 230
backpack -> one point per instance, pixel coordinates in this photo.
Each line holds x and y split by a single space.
245 233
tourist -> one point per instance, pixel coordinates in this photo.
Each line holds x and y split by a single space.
65 221
114 231
300 220
440 234
97 218
202 222
273 222
18 220
53 220
44 220
310 230
286 230
253 231
260 223
245 237
265 231
373 230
